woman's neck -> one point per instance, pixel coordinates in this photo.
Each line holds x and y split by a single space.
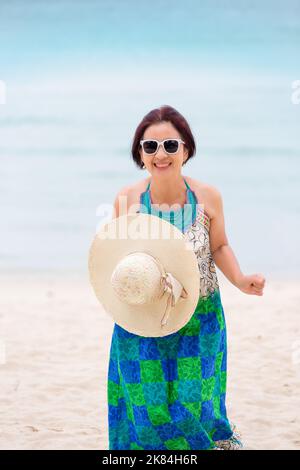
169 192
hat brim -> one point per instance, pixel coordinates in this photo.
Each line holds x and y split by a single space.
114 241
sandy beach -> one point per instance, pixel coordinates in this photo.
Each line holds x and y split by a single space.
55 341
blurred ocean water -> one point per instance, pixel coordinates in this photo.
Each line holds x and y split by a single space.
81 75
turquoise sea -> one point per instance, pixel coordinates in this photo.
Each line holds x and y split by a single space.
80 75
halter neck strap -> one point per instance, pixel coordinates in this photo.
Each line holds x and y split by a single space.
183 179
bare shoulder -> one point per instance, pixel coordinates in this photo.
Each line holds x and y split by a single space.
130 195
208 196
135 190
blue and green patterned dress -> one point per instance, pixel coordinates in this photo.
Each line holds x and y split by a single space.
169 392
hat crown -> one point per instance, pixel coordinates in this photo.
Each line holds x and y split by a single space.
136 279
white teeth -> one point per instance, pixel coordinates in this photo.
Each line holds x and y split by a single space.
162 166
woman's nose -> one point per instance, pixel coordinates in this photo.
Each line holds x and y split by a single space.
161 151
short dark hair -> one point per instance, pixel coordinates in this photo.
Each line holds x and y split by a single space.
163 113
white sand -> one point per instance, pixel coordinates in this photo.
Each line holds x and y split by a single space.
57 339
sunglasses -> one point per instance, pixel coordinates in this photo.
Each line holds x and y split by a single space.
170 146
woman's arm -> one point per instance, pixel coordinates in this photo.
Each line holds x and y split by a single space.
223 255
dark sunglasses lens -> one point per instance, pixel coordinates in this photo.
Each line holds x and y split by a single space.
150 146
171 146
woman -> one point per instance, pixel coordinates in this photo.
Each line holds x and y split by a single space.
169 392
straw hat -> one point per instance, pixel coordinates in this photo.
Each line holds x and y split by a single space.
145 274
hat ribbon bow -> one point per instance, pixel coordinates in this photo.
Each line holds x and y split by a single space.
175 290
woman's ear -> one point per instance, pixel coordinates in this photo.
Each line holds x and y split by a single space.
142 163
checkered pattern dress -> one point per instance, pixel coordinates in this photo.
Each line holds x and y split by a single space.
168 393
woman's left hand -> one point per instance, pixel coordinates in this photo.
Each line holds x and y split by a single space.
252 284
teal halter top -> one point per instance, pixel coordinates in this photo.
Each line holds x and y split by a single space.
182 218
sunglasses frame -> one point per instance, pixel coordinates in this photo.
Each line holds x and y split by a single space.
161 143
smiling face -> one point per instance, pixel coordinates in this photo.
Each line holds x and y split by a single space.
162 163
